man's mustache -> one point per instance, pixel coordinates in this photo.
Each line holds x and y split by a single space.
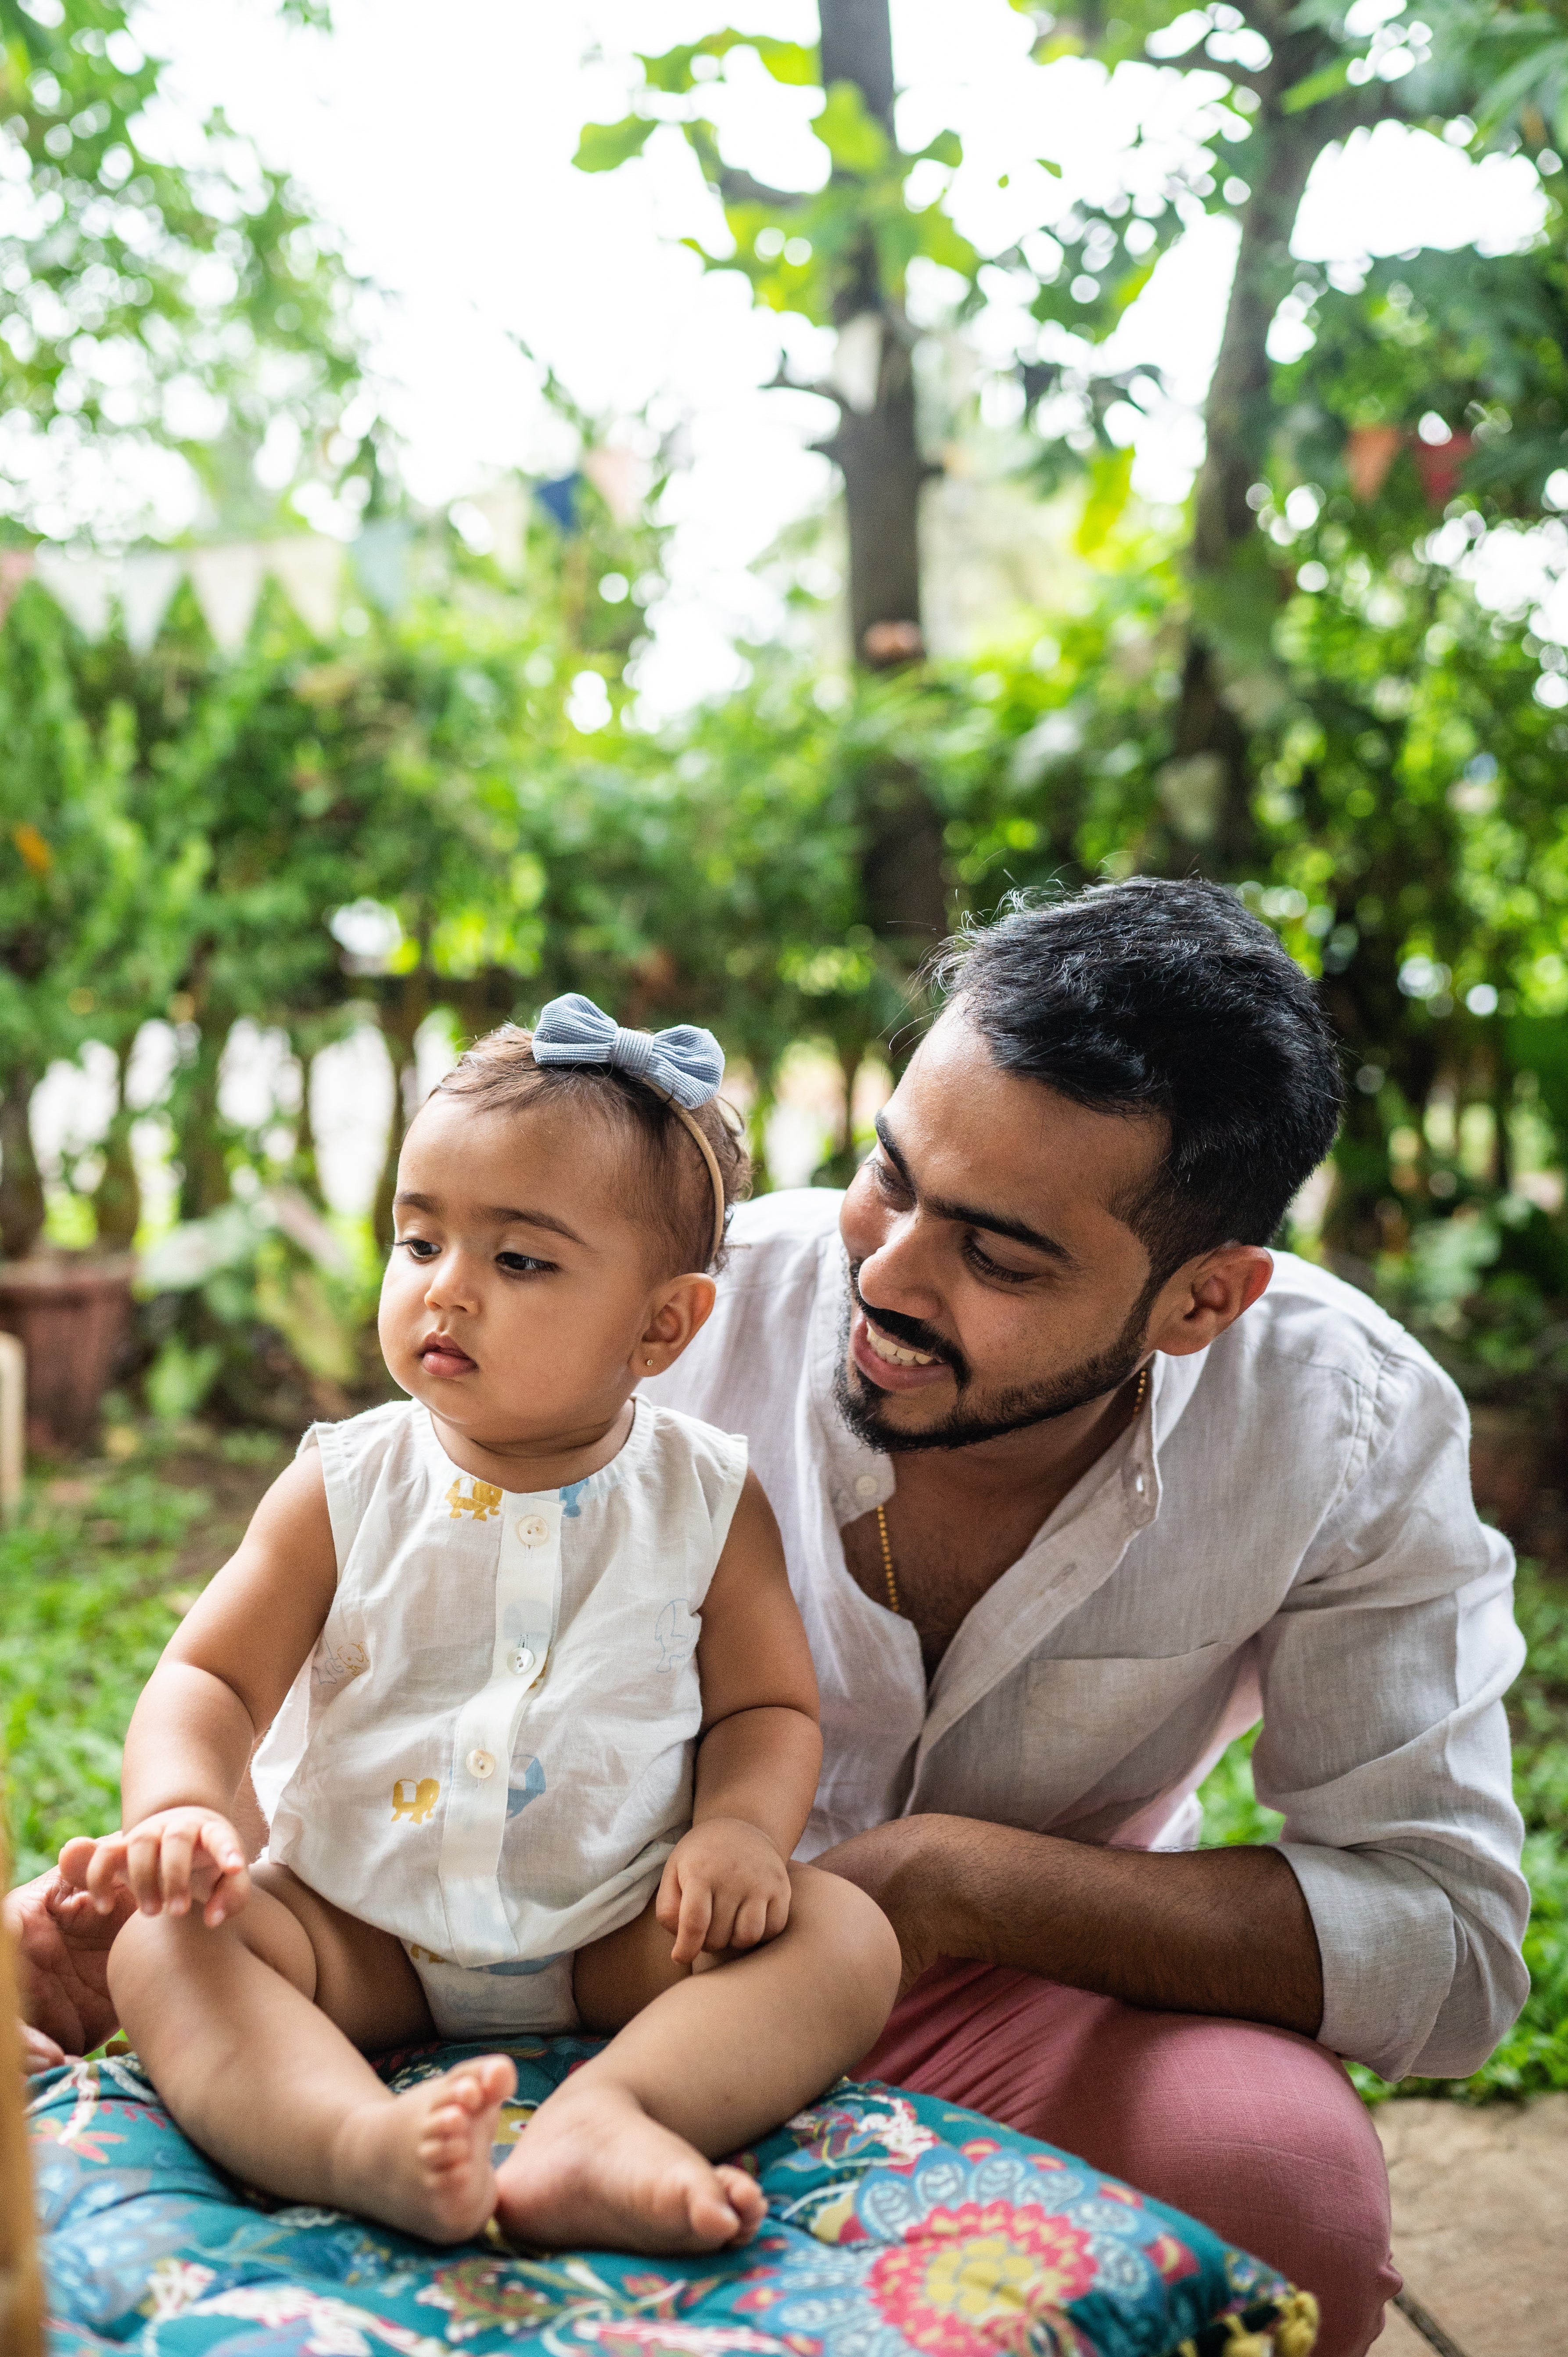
913 1332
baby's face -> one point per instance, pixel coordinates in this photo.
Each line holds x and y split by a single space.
521 1303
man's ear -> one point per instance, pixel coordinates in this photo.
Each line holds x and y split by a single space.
1206 1296
682 1307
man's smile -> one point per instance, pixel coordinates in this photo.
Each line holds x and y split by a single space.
891 1366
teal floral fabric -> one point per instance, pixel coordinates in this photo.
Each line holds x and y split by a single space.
896 2222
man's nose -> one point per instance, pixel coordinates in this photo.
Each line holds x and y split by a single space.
899 1274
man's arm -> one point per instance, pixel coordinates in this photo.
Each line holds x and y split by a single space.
1223 1930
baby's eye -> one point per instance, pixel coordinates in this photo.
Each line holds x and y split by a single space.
417 1247
520 1264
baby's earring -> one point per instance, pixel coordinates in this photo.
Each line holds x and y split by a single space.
647 1362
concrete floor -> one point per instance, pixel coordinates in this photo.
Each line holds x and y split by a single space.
1480 2200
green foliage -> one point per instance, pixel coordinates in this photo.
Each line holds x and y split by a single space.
126 273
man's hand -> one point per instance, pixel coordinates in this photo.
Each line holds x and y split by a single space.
901 1866
62 1946
171 1859
724 1887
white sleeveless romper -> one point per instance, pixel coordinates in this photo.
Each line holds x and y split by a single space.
501 1717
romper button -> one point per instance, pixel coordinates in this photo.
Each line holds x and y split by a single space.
481 1764
533 1529
523 1661
866 1486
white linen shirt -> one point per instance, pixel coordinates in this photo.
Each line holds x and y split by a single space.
1287 1532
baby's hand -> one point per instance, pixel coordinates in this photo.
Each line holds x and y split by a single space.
171 1859
724 1886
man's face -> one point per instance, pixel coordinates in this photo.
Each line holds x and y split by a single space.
992 1284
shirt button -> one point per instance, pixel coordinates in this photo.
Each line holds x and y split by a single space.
533 1529
523 1661
481 1764
866 1486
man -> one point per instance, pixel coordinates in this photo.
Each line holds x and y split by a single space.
1076 1482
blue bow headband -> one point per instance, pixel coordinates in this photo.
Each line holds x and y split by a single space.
685 1062
684 1065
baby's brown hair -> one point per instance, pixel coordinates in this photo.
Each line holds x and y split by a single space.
674 1188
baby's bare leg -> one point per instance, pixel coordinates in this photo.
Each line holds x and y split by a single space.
252 2034
712 2061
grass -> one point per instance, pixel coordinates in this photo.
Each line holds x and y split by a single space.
94 1577
105 1559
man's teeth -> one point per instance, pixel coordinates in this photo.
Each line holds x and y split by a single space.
892 1352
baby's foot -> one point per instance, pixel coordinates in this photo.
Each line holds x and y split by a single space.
592 2169
423 2160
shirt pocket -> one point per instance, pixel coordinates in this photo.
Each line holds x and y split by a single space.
1121 1727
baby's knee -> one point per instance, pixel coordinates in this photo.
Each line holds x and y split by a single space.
153 1953
858 1944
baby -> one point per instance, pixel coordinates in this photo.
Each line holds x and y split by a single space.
551 1724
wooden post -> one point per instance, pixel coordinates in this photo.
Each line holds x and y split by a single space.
13 1425
21 2292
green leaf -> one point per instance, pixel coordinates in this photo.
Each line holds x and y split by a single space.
947 148
1328 83
854 139
603 146
1110 488
788 61
1045 165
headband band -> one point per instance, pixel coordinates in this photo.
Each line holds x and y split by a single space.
711 1159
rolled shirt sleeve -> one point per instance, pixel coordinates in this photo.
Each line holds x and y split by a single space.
1385 1745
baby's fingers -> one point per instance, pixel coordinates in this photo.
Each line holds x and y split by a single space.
142 1852
691 1931
721 1924
233 1885
667 1906
106 1872
174 1857
750 1921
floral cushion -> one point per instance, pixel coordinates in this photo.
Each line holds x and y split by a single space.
895 2222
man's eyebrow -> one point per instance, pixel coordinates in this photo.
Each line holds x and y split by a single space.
967 1215
498 1215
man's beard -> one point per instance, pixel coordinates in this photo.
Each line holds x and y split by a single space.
863 1407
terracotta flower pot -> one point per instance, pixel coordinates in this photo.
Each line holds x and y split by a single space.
69 1311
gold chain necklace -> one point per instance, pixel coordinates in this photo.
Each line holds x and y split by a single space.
888 1573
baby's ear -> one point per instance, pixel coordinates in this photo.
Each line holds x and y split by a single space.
682 1308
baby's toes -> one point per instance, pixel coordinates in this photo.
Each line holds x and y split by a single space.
445 2131
746 2198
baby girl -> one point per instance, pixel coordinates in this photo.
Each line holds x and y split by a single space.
550 1726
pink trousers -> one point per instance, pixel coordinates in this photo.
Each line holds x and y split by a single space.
1254 2130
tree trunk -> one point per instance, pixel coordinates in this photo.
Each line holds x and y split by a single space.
22 1206
1236 580
117 1202
877 452
305 1173
204 1163
401 1018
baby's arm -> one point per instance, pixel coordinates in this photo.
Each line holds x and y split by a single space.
727 1885
223 1675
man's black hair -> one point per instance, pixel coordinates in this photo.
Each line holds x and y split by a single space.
1167 998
